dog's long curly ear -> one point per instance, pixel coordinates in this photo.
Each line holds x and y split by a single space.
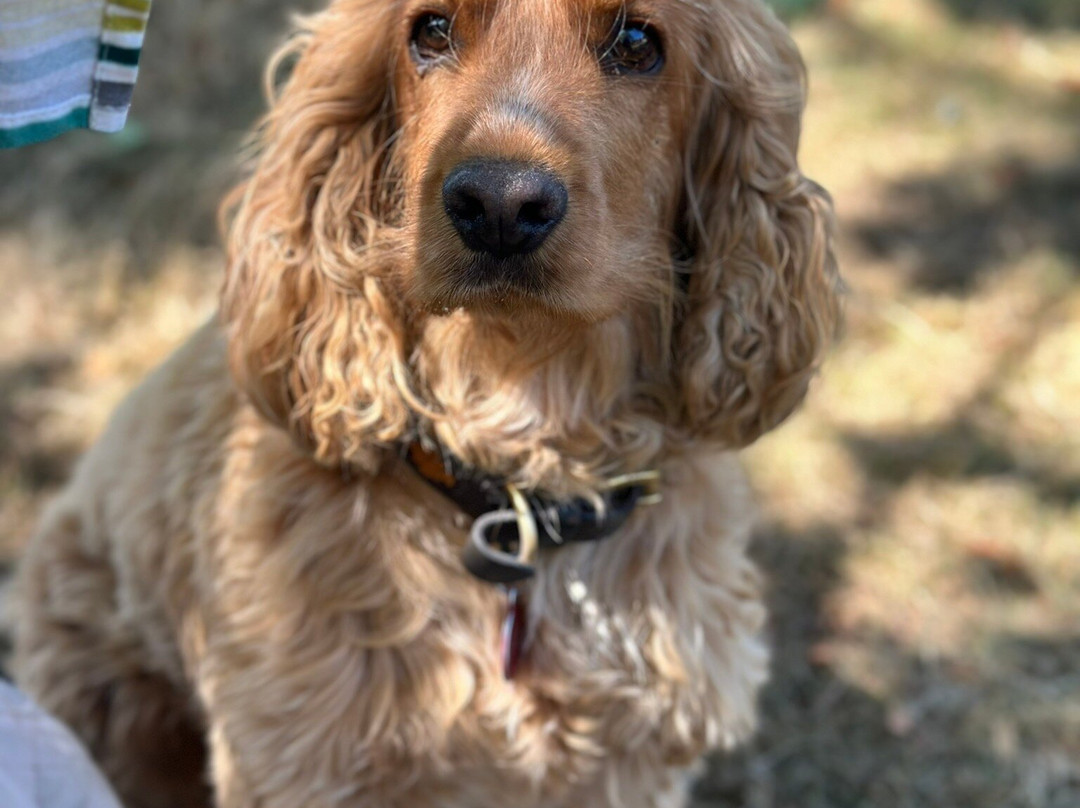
314 337
763 291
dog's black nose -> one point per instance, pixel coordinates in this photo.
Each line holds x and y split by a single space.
503 208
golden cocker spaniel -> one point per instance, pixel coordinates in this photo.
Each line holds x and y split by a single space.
442 509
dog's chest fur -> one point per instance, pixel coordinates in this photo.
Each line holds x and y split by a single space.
328 622
346 606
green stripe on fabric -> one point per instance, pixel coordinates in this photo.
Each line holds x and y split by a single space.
134 5
129 57
43 130
125 25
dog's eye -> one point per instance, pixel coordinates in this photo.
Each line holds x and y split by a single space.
431 38
636 48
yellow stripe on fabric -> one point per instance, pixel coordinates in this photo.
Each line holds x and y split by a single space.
133 5
125 24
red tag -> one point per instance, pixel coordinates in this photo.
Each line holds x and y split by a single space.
513 633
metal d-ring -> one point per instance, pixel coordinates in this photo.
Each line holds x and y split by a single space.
528 535
482 556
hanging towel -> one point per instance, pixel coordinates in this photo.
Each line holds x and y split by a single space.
67 64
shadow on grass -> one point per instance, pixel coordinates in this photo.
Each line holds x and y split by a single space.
1043 14
949 229
85 193
823 743
956 450
27 457
1039 657
29 461
827 743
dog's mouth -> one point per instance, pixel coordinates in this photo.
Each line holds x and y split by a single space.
483 282
483 275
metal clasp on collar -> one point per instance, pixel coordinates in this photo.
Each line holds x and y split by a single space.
503 560
504 556
648 480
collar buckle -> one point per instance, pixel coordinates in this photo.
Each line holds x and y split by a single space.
502 556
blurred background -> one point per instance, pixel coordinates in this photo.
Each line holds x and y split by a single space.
920 517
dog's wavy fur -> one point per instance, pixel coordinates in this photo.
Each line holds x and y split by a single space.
244 578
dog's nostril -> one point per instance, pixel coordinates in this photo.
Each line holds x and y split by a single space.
533 213
469 207
503 208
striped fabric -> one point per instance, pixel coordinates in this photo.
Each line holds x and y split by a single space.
67 64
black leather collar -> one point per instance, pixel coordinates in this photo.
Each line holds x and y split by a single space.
510 525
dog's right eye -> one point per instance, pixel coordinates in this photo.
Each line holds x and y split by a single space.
635 48
431 38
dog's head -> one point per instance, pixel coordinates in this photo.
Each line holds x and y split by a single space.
541 166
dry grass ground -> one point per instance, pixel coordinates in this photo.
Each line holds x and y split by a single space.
921 517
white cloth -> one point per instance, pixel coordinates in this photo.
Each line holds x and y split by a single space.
42 765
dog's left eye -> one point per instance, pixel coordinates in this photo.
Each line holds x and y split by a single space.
431 38
635 48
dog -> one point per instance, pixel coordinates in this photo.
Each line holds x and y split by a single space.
555 257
